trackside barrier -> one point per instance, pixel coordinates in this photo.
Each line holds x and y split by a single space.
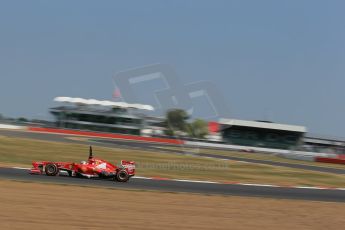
296 155
235 147
330 160
106 135
6 126
307 156
341 156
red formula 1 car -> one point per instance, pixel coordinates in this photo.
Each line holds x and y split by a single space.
92 168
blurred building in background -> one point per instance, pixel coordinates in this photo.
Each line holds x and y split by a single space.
324 144
262 134
102 116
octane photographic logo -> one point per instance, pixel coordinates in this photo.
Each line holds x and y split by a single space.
177 166
133 86
162 88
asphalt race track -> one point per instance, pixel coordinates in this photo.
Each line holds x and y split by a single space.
190 187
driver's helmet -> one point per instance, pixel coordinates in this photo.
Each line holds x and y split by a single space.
83 162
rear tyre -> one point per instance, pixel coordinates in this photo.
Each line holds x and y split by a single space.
51 169
122 176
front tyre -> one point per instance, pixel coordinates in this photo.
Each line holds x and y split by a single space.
122 176
51 169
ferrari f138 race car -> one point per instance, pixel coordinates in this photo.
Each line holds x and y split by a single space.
92 168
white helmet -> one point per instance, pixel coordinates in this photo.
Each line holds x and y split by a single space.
83 162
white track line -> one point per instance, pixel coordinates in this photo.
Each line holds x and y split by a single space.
21 168
311 187
260 185
141 177
196 181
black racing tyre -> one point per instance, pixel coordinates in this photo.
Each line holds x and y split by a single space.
122 176
51 169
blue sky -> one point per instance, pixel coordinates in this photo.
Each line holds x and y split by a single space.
277 60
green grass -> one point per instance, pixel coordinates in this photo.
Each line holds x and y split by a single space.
21 152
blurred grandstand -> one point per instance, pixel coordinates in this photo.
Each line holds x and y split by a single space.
262 134
267 134
102 116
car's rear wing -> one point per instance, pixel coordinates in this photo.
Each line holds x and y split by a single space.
129 166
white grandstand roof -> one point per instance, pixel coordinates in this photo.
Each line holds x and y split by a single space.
263 125
82 101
